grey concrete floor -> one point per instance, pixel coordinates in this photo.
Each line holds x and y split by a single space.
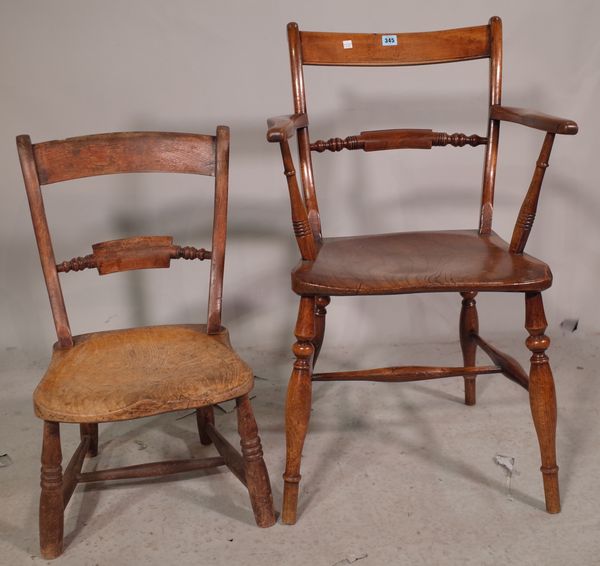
393 474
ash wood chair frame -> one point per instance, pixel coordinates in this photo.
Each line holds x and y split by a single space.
467 261
120 375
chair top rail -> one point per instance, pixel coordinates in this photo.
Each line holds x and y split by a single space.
124 152
395 49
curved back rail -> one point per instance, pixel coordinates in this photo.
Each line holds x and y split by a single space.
124 152
395 49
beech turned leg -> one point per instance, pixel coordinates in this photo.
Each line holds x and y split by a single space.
51 499
91 430
320 313
469 325
204 416
257 477
297 408
542 397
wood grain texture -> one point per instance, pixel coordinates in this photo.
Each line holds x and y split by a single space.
51 514
140 252
90 430
457 139
124 152
302 229
44 241
528 208
542 397
534 119
306 171
416 262
257 477
73 469
467 328
402 374
152 469
219 232
493 133
321 304
205 416
232 458
378 140
297 408
368 49
464 261
508 365
137 372
124 374
284 127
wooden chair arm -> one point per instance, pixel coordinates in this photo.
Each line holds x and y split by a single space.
533 119
284 127
302 229
528 209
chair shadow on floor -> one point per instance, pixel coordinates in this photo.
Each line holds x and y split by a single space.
172 435
437 453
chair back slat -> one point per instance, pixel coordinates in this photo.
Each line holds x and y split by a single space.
126 152
390 49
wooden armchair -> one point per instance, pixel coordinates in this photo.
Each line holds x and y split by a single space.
126 374
462 261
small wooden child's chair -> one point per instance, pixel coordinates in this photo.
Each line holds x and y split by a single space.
126 374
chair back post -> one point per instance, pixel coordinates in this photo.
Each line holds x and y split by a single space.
304 152
219 234
491 154
44 241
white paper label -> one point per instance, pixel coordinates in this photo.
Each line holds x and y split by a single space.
389 40
347 43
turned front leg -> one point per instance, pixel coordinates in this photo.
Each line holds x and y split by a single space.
257 477
297 408
51 498
469 325
542 397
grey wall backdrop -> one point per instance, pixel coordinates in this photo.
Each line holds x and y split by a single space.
70 68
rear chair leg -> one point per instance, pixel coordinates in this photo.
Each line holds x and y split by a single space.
257 477
297 408
469 325
204 416
91 430
51 499
320 313
542 397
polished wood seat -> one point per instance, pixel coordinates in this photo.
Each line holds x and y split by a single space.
115 375
460 261
416 262
123 374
